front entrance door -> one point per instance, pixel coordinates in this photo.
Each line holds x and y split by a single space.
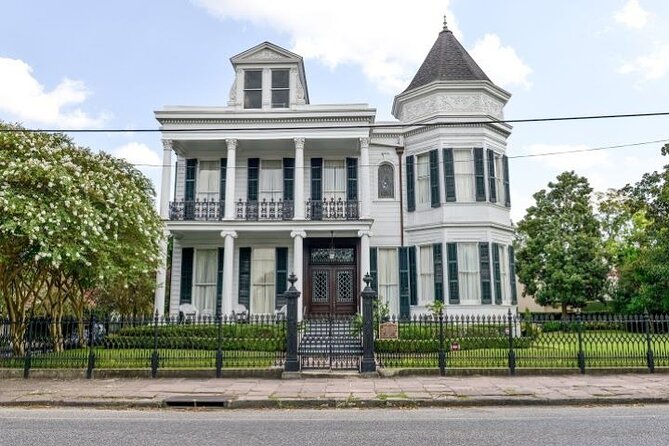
332 277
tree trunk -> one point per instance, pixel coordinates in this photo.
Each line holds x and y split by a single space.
564 311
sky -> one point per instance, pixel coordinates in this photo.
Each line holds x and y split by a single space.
93 64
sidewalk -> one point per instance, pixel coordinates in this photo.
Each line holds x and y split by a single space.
348 391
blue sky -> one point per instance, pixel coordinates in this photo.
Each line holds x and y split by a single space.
87 64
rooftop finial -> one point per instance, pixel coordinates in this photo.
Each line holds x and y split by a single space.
445 24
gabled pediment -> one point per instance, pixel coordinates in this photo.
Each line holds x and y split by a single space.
265 52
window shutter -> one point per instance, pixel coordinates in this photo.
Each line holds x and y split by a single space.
316 189
352 179
411 186
221 190
413 275
405 292
438 272
484 269
191 172
491 177
479 174
186 291
435 193
507 189
453 284
373 268
252 179
245 277
497 273
512 276
288 179
219 280
449 175
281 276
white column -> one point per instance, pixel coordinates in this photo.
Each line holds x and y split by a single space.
159 297
298 236
299 179
228 259
364 255
364 178
165 183
230 179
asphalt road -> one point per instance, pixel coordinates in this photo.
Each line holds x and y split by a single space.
607 426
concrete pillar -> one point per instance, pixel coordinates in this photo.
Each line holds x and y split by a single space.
298 236
300 178
230 180
365 192
227 304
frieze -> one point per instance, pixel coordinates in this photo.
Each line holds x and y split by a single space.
266 54
450 103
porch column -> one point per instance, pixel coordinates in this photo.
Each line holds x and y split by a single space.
364 255
161 274
230 180
299 184
228 259
364 178
298 236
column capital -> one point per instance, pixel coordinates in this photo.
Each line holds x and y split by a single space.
232 143
168 144
299 142
364 143
365 232
232 234
298 233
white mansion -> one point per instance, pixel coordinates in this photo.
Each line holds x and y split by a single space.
271 184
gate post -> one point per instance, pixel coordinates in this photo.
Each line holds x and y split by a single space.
292 364
368 296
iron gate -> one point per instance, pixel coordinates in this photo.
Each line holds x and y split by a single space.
330 341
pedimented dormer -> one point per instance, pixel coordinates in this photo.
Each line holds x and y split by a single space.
268 77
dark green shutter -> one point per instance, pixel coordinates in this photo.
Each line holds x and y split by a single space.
479 174
491 176
223 176
438 264
411 184
186 291
288 179
219 280
413 275
374 269
453 283
484 266
449 175
497 274
435 193
316 204
245 277
191 171
405 293
252 179
352 179
281 276
507 189
512 276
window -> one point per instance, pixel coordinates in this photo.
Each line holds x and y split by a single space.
504 268
463 166
426 275
386 180
334 179
206 266
280 89
208 180
468 272
423 178
388 279
499 179
252 89
271 178
263 280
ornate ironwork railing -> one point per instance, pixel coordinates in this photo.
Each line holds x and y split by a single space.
264 210
332 209
202 210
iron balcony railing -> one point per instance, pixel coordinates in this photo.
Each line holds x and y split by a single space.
264 210
202 210
332 209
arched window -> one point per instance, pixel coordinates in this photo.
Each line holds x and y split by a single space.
386 181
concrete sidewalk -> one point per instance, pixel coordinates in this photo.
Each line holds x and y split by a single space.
348 391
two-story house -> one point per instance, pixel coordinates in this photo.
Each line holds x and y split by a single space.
271 184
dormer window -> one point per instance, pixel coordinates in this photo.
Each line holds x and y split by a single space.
280 88
253 89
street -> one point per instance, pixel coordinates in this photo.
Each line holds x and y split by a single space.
609 426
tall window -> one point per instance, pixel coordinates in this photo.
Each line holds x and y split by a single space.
208 178
386 181
253 89
271 178
388 280
334 179
468 272
426 274
423 178
263 283
499 179
280 89
204 296
463 166
504 269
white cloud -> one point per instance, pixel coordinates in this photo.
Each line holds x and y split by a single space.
387 40
25 99
145 160
568 161
501 63
652 66
632 15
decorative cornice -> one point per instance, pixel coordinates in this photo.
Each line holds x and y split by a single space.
282 120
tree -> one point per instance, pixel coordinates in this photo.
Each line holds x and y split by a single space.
560 256
70 220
